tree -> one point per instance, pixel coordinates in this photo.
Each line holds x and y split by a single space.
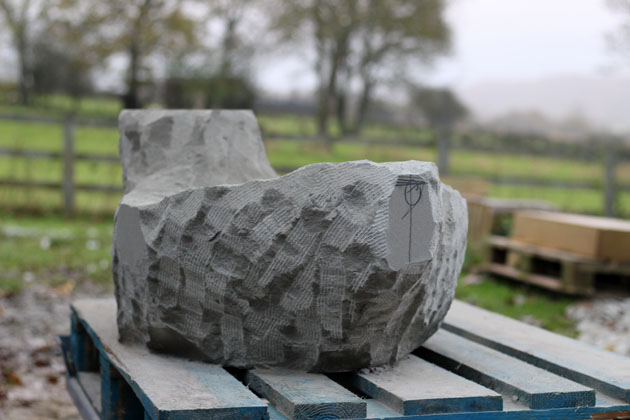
442 110
20 17
218 75
327 24
364 41
56 69
619 40
138 29
396 32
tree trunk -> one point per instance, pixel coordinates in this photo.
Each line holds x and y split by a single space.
364 105
342 100
131 99
228 47
341 111
25 79
443 145
322 115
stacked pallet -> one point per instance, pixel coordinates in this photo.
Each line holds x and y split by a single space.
568 253
493 216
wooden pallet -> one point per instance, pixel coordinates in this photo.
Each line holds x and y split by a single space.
552 269
492 216
478 366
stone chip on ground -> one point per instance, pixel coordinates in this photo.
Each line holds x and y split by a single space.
331 267
29 325
604 323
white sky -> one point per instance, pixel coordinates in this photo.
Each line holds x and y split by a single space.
507 40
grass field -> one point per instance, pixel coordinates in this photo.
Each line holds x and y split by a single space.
289 153
69 253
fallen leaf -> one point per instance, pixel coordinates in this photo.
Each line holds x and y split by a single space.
41 362
13 379
66 288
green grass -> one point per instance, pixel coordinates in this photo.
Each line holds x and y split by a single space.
520 302
54 251
287 153
515 300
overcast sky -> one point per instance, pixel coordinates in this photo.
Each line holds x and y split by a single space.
501 40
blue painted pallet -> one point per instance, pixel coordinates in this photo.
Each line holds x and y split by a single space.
479 366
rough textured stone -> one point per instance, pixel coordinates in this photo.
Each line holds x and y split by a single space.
329 268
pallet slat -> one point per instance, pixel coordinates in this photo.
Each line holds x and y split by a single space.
533 386
127 394
167 387
415 386
304 396
577 361
557 270
376 409
91 384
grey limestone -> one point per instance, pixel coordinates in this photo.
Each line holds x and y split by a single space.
329 268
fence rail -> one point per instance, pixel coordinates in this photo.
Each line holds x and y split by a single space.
609 153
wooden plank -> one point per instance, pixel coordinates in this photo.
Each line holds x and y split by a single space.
168 388
531 385
376 410
118 401
275 414
115 189
415 386
582 413
572 359
548 253
91 384
80 400
39 119
304 396
29 153
68 166
49 154
535 279
585 263
83 353
30 184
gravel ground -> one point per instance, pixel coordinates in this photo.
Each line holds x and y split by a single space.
32 384
604 323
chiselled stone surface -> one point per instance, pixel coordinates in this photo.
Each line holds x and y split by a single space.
329 268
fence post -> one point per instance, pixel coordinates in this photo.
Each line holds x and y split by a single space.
610 180
68 165
443 149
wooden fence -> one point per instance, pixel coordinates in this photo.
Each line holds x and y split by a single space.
609 152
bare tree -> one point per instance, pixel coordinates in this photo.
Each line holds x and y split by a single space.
361 41
619 40
329 26
20 17
135 28
394 34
